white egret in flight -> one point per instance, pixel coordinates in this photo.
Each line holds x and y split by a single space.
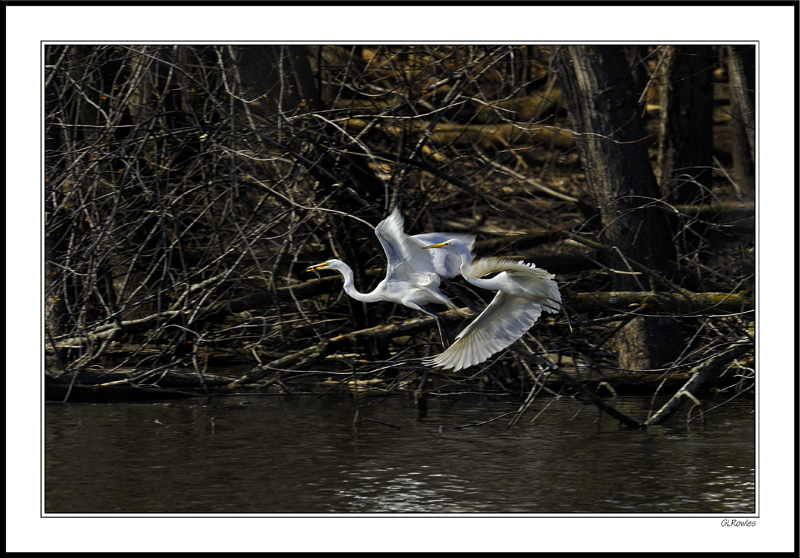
413 275
523 291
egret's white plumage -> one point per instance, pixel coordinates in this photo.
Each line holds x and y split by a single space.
523 292
413 275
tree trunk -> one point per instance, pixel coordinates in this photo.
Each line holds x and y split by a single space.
686 119
741 70
598 90
684 157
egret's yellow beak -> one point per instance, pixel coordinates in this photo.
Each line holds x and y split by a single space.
440 245
318 266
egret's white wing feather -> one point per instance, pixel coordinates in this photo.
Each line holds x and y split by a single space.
406 260
484 266
523 279
390 235
505 320
410 274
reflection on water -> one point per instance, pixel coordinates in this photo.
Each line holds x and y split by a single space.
273 455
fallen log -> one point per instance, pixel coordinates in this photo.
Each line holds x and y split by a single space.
317 352
98 385
488 136
684 303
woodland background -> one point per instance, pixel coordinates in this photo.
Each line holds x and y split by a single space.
188 187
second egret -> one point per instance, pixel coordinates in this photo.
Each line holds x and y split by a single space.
523 292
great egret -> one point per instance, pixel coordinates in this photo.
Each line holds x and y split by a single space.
523 291
413 275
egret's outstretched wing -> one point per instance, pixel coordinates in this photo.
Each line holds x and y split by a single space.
521 279
447 259
390 234
505 320
406 261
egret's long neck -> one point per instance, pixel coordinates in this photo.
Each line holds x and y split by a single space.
466 257
466 269
349 287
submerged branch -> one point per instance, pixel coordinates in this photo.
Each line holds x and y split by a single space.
580 388
699 376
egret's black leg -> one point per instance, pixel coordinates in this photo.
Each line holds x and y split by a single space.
438 324
441 333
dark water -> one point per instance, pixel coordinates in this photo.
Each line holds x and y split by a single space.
277 455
